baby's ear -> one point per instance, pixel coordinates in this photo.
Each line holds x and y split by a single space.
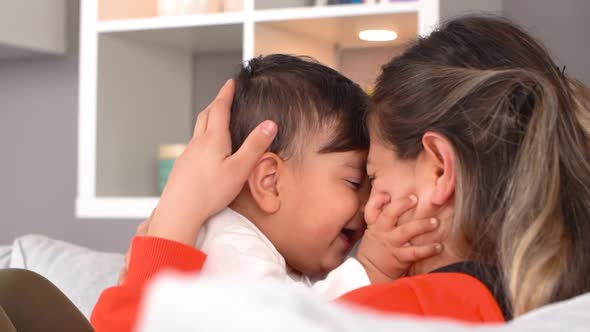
263 183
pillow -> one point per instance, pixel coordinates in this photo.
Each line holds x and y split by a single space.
80 273
5 256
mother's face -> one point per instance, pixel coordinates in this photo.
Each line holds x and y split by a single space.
430 176
389 174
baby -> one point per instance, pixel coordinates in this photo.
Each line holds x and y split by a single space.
300 212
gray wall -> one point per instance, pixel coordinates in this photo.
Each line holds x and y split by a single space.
562 25
210 71
38 143
38 126
354 64
143 100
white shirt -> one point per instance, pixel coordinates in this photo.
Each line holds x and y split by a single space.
236 247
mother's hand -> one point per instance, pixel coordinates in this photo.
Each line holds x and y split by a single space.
207 177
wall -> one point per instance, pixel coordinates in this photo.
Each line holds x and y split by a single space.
364 65
38 142
210 72
270 39
563 26
38 120
144 100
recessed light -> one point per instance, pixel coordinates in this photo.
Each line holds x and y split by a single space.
377 35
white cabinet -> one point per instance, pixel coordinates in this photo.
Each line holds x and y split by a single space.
32 27
143 79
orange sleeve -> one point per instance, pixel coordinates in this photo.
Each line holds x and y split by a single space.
117 307
445 295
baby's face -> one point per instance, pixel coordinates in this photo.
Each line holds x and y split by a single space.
321 218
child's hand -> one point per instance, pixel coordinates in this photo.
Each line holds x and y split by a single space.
207 177
385 250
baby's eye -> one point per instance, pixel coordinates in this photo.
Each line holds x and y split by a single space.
371 179
355 184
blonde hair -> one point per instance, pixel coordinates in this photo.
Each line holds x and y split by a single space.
520 131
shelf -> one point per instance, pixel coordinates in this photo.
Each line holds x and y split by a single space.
148 86
143 79
195 33
342 31
262 15
274 4
195 39
303 13
168 22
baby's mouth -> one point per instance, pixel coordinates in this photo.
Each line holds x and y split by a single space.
348 233
350 236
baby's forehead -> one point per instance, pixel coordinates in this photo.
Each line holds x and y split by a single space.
312 139
313 149
332 139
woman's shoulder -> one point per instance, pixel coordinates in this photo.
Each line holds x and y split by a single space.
447 294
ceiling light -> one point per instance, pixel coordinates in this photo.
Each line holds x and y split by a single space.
377 35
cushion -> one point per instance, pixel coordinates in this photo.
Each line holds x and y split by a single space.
80 273
5 256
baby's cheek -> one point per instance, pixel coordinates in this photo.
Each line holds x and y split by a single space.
348 206
323 229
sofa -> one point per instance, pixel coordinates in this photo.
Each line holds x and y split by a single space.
176 303
80 273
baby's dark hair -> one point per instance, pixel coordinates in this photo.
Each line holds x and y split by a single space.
303 97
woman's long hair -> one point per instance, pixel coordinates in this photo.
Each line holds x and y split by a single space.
520 132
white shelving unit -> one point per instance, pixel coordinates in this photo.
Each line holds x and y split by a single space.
142 79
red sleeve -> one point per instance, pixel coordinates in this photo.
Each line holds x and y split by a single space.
445 295
117 307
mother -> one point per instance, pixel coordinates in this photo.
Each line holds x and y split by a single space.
476 120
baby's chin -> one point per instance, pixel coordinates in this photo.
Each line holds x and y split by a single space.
331 263
324 265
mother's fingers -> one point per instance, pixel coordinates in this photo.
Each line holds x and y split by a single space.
220 108
255 145
201 124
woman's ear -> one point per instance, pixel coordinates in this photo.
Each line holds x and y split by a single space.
262 183
439 155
